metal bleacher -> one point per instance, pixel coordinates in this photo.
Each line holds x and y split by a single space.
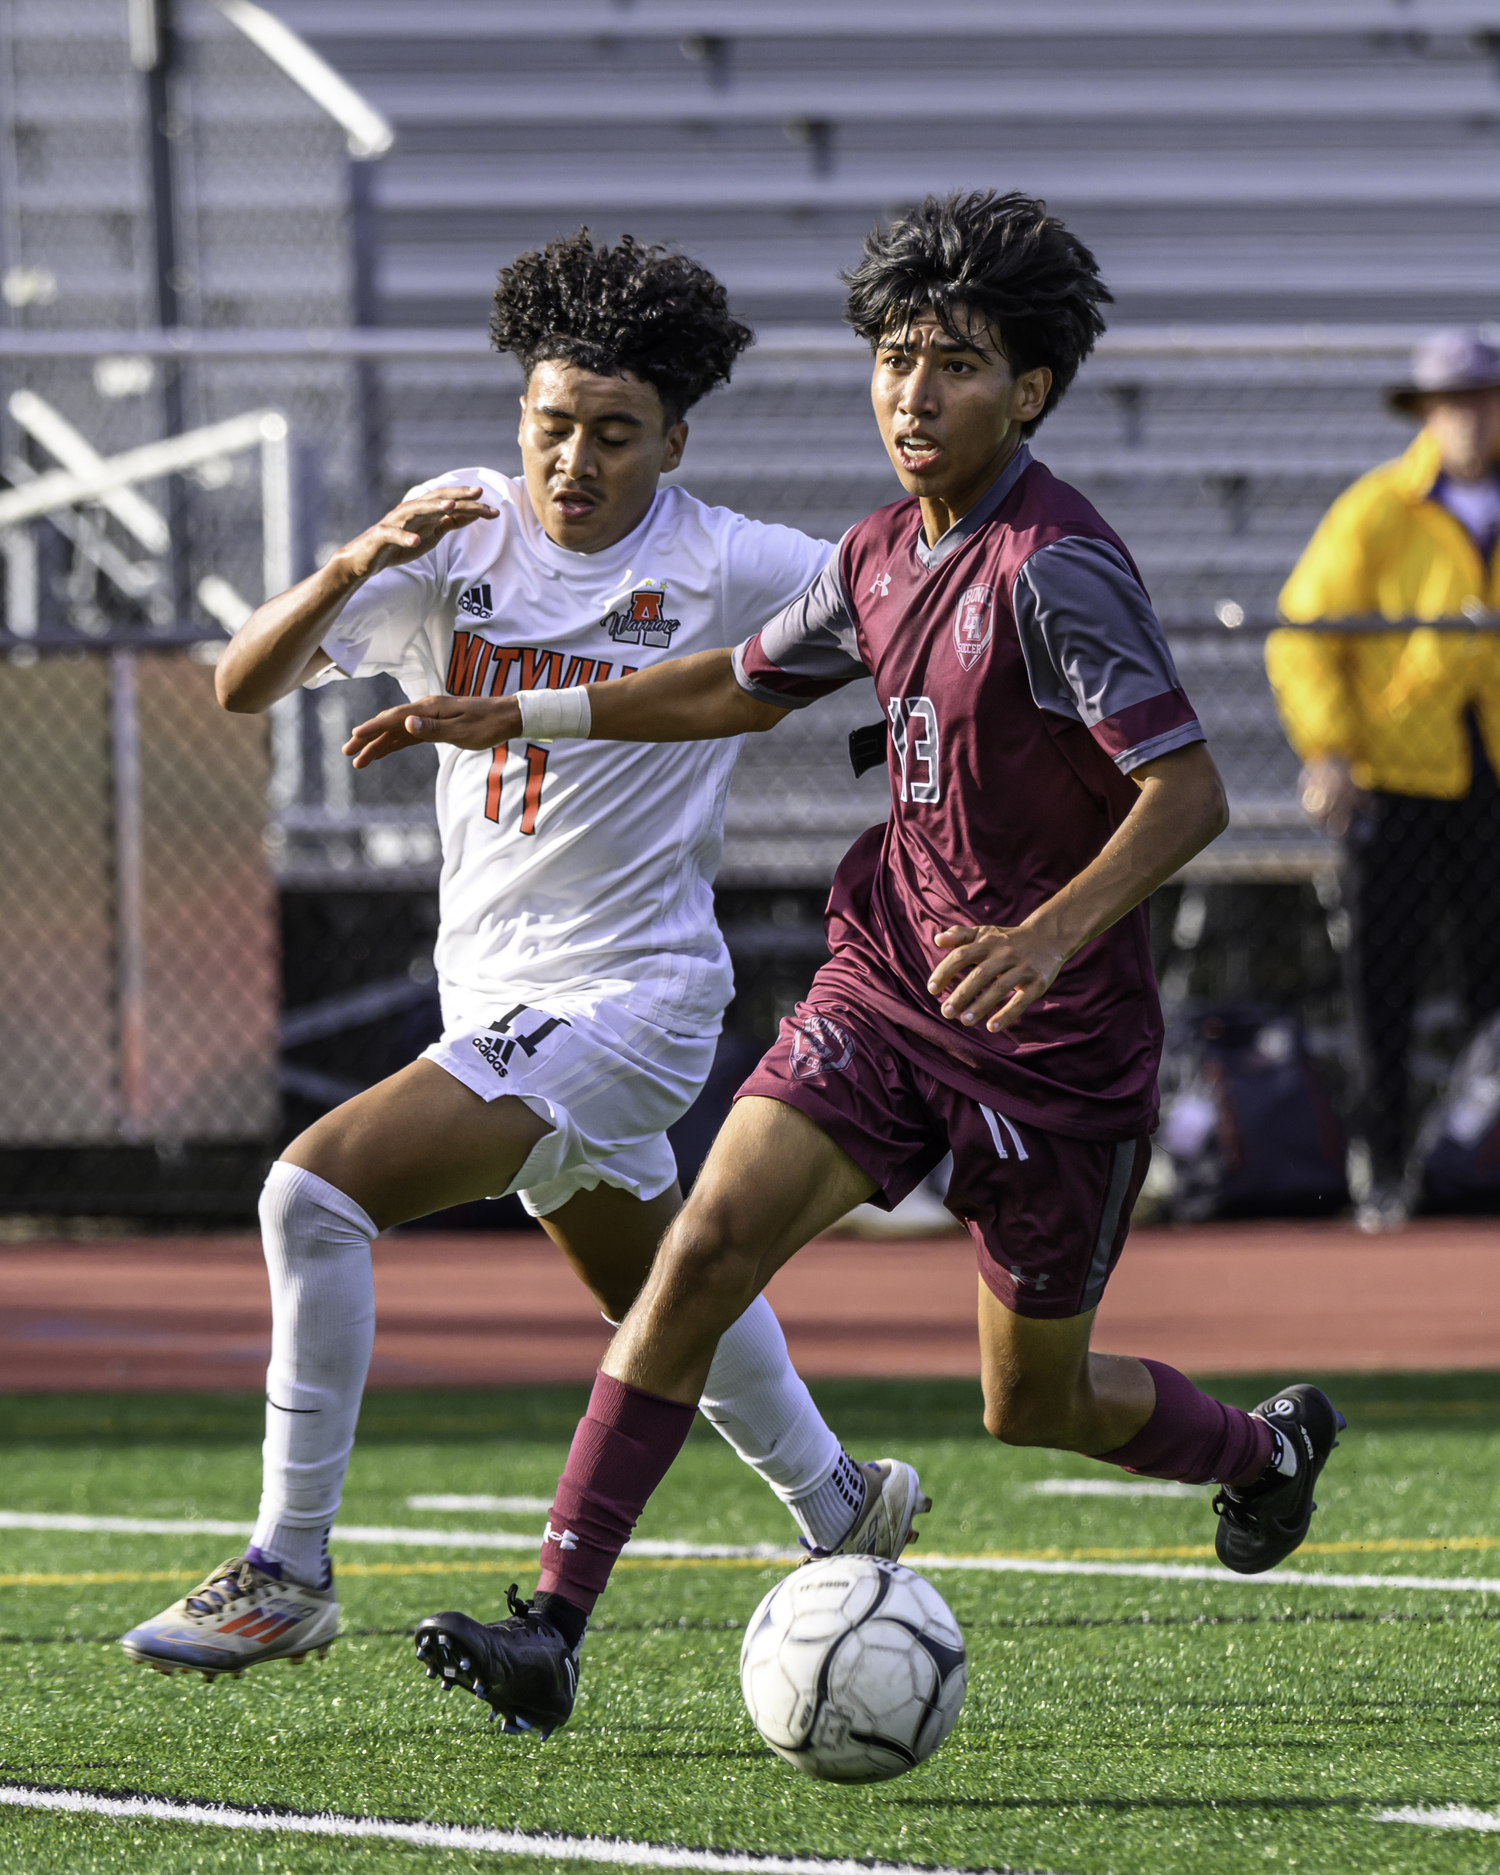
1267 161
1269 165
1280 195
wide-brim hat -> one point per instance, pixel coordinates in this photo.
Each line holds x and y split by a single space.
1446 363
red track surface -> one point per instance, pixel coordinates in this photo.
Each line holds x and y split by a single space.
158 1313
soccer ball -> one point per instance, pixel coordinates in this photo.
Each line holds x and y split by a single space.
853 1669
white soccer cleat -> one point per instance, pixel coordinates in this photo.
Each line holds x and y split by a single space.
237 1617
893 1496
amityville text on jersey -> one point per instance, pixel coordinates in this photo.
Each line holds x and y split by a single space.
476 667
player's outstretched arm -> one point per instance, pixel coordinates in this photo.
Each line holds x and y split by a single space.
993 974
692 699
278 646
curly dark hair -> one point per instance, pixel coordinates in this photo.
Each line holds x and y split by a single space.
629 308
1001 256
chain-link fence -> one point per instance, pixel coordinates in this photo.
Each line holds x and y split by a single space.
216 929
1214 457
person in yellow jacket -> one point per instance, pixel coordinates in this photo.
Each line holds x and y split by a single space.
1399 731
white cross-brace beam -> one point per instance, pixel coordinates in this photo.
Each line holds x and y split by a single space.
48 426
367 131
66 488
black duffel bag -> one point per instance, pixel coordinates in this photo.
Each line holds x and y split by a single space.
1250 1128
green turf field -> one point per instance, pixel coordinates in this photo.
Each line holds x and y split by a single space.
1113 1723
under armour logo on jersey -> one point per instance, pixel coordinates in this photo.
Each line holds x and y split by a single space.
644 623
819 1045
975 624
564 1539
880 585
476 601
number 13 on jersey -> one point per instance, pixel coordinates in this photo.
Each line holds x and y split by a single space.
915 738
531 800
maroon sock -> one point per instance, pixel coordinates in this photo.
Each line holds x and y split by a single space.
1193 1438
622 1450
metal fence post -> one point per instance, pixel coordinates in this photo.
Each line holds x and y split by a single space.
277 549
130 940
23 582
275 504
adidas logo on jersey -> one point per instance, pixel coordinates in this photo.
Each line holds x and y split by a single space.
476 602
644 623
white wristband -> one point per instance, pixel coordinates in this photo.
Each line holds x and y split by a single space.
548 714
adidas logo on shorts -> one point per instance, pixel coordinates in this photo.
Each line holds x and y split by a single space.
498 1054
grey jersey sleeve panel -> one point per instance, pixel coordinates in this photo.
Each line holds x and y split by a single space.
1149 747
809 649
1092 643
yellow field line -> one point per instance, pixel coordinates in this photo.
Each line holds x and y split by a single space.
34 1579
1181 1552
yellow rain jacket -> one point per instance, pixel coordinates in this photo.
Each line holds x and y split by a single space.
1393 703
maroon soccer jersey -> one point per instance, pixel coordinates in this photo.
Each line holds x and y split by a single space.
1023 674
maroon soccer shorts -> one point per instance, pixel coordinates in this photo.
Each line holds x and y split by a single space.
1048 1215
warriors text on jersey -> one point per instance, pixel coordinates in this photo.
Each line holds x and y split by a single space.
1024 675
577 865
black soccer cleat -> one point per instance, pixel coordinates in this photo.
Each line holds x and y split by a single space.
522 1667
1262 1523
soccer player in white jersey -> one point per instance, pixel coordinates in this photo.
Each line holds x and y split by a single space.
583 977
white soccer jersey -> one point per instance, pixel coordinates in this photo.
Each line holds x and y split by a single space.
576 866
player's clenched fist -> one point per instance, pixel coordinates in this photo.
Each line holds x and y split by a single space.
412 528
992 972
466 722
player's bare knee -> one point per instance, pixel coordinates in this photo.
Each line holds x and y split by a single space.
705 1257
1022 1411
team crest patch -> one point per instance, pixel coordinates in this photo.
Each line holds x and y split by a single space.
819 1047
476 602
644 623
975 625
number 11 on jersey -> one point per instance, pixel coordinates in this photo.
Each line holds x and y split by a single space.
531 800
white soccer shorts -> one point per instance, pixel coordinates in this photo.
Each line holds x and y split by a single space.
608 1083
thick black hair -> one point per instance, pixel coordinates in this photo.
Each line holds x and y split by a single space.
1002 257
624 308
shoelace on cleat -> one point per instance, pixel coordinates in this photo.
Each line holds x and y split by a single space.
230 1582
1233 1509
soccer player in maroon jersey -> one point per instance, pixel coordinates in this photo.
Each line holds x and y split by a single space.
990 989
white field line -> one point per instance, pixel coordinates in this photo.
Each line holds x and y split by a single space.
1445 1816
402 1537
454 1836
1109 1487
397 1535
1208 1572
213 1526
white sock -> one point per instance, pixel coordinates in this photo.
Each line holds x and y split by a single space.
317 1244
757 1400
828 1512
